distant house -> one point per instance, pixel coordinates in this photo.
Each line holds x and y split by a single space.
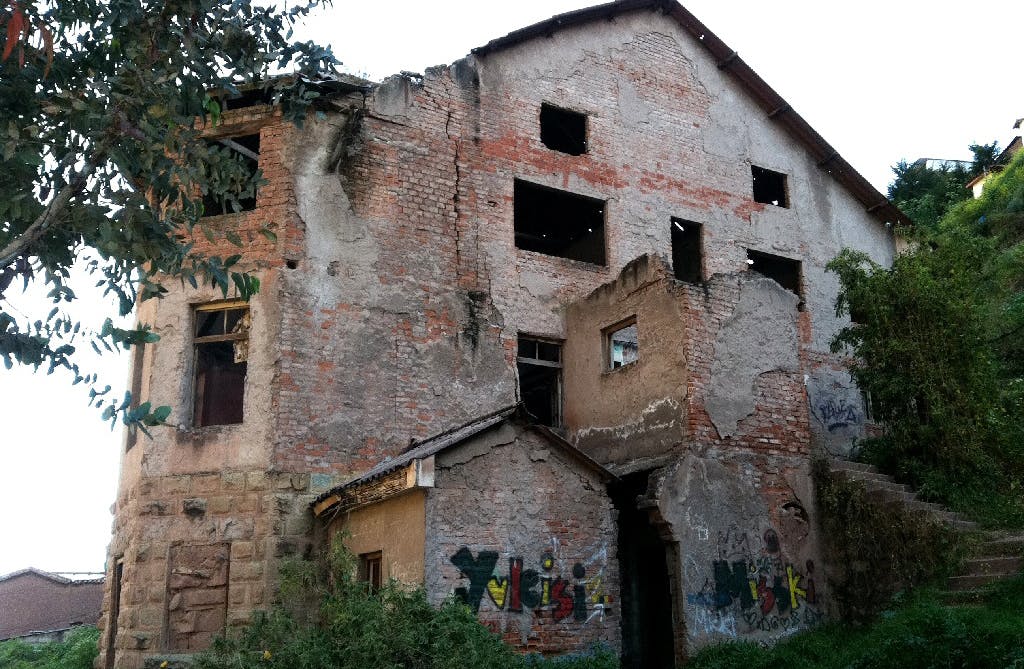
977 184
37 605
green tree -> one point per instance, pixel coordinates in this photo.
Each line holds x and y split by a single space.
925 193
102 109
936 341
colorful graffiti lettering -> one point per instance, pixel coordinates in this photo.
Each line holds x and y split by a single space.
534 590
761 588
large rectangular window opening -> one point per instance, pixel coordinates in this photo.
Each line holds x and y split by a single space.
563 130
539 363
769 187
221 353
244 149
785 271
687 251
557 223
622 343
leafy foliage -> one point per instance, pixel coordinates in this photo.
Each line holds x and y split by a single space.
77 651
921 633
878 549
927 193
331 619
103 105
936 344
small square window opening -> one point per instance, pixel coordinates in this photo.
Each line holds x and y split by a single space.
245 150
221 341
539 364
687 251
563 130
623 345
769 187
557 223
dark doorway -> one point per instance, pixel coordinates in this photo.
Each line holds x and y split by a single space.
647 627
115 612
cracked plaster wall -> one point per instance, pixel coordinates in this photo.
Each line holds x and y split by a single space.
749 556
511 492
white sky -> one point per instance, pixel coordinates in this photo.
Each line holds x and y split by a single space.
879 80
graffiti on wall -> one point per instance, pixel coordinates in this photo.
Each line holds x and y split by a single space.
540 587
836 413
751 587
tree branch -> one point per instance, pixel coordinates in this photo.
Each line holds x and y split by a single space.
19 246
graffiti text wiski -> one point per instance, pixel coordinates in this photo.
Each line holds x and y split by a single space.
528 589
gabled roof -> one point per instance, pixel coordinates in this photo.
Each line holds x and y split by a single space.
451 438
50 576
774 106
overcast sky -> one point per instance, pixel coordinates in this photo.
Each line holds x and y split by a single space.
879 80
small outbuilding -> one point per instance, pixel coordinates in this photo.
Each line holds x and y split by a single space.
501 513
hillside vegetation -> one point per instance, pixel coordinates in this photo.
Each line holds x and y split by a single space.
938 343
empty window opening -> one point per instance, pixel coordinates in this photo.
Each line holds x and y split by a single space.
785 271
769 186
557 223
221 351
563 130
687 251
138 360
248 98
245 150
623 345
539 364
371 569
115 612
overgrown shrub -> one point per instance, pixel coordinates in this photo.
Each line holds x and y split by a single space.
327 619
77 651
878 549
938 342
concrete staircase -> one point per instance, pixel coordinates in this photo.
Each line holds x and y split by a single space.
995 556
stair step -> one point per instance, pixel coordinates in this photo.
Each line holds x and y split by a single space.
847 466
1002 546
974 580
988 565
891 495
869 476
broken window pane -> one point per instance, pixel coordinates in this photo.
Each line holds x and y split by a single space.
244 149
785 271
687 251
563 130
221 351
540 379
557 223
769 186
623 346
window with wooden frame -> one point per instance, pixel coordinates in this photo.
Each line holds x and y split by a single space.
371 569
622 343
221 340
539 363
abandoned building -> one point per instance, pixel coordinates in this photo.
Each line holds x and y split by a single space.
546 329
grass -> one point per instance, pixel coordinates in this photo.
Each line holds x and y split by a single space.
77 651
917 633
